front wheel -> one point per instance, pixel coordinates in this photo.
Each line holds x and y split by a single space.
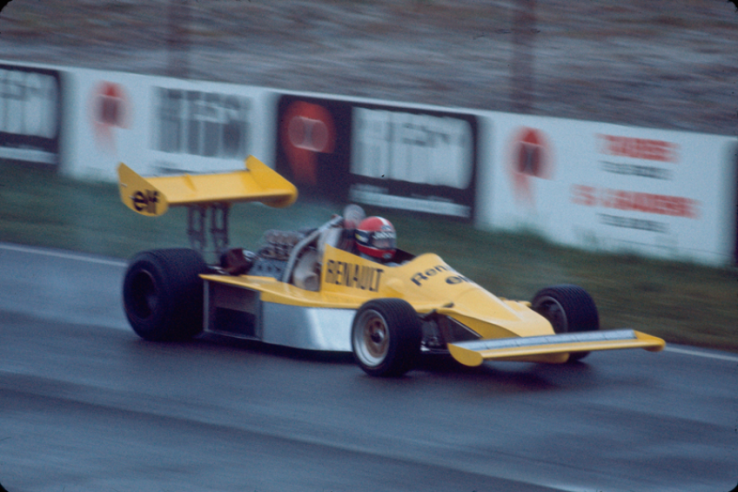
569 309
385 337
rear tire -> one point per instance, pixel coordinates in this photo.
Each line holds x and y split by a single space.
162 294
385 337
569 309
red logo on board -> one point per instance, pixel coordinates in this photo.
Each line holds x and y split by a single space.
306 130
530 158
110 109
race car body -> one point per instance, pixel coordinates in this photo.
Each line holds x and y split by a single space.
304 289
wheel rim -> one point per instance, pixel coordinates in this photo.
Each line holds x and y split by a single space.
553 311
371 338
143 297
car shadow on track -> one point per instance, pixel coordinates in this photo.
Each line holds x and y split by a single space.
511 377
276 350
434 364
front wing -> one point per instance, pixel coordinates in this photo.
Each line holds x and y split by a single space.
551 348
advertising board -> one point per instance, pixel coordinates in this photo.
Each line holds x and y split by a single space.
161 125
612 187
586 184
403 158
30 114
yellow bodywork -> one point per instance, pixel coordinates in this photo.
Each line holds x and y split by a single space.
347 281
152 196
429 284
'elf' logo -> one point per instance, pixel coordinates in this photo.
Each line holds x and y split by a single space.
145 201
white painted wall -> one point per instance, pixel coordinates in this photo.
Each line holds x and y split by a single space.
602 186
160 125
587 184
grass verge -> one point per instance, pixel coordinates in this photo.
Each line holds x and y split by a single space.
680 302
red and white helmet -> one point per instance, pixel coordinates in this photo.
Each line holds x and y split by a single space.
376 237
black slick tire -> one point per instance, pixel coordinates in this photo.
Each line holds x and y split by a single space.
569 309
163 294
385 337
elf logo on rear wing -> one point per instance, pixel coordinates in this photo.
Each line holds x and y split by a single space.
145 201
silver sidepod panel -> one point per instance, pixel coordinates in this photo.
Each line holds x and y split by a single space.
307 328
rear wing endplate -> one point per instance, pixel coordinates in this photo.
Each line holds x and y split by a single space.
154 195
473 353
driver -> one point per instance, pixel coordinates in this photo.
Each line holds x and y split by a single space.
376 239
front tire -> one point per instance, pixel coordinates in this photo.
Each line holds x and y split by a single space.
162 294
385 337
569 309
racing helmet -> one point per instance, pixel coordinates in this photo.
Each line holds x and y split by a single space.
376 237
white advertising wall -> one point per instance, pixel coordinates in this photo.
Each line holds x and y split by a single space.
160 125
586 184
611 187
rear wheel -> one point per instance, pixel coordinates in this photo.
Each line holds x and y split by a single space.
385 337
569 309
162 294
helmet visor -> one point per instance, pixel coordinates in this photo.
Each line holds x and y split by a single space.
384 240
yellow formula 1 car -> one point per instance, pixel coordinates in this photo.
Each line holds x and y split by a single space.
303 290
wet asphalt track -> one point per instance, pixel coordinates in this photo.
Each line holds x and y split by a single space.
87 406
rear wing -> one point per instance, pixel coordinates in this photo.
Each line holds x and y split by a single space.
153 196
205 192
547 347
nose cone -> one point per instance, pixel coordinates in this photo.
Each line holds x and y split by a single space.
484 305
493 317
